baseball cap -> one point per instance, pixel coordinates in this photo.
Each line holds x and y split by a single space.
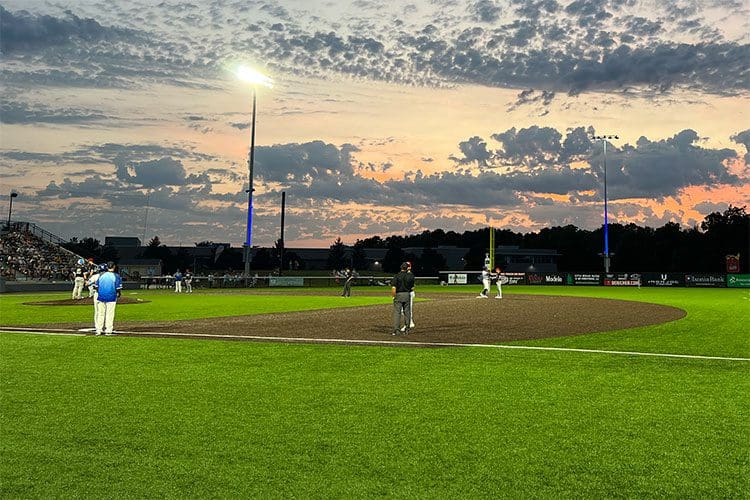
102 267
404 266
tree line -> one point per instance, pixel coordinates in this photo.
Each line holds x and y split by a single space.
669 248
634 248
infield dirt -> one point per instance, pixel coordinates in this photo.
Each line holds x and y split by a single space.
442 318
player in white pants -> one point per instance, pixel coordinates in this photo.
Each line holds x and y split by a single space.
498 282
411 304
485 283
178 282
93 284
108 286
78 282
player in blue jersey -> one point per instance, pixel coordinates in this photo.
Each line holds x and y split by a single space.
108 285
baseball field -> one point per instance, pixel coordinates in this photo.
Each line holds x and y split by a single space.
550 392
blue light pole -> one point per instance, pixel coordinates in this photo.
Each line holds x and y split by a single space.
254 78
606 255
250 189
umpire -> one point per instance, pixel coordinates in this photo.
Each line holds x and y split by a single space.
401 287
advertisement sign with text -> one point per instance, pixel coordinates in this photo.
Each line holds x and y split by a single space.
622 279
738 280
546 279
286 281
457 279
663 279
584 278
515 278
706 280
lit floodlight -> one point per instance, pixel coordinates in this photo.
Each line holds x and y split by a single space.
253 77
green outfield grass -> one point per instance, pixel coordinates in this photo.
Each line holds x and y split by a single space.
166 305
144 418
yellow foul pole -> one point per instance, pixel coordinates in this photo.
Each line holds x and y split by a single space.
492 247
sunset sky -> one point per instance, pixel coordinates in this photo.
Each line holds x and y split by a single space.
125 117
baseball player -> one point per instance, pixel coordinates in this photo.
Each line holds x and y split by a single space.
401 287
188 281
349 279
91 269
498 282
485 283
78 281
178 281
93 284
109 286
411 303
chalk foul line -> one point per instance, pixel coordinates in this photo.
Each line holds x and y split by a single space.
409 343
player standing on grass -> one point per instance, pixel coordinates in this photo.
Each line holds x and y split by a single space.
109 286
401 286
178 281
92 283
348 280
78 281
188 281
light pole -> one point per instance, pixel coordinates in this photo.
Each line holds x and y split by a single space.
254 78
13 194
603 139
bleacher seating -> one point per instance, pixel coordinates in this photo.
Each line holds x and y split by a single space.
25 256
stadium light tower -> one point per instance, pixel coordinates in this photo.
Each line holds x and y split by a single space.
254 78
603 139
13 194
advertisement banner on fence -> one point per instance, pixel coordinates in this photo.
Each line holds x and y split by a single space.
622 279
663 279
514 279
706 280
545 279
457 279
738 280
286 281
584 279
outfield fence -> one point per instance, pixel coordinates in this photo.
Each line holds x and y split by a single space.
445 278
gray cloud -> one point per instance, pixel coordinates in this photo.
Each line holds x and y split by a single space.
23 113
304 163
548 47
23 31
154 173
662 168
486 11
744 139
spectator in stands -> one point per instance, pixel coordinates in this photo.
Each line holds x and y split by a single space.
26 256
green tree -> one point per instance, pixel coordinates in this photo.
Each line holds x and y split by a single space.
337 255
429 263
393 259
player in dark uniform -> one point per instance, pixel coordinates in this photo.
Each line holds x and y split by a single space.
498 277
401 286
348 280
